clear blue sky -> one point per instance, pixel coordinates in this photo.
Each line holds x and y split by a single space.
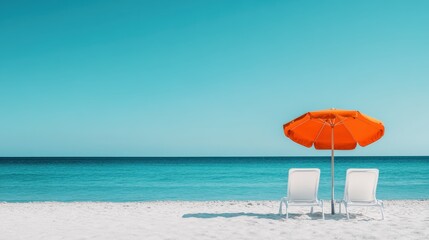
207 78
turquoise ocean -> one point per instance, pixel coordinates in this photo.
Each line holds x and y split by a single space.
195 178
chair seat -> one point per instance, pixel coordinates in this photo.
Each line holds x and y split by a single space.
304 203
361 184
303 184
362 203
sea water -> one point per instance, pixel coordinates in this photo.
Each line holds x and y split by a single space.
196 178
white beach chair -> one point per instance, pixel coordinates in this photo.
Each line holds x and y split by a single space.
360 189
303 185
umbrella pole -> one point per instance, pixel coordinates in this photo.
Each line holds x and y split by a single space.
332 172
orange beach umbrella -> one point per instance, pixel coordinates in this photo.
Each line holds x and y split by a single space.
335 130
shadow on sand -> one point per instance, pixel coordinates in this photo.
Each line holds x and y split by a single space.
232 215
273 216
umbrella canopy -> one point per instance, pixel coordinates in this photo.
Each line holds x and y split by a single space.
335 130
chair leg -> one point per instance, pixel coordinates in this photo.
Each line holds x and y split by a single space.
311 210
339 207
347 212
287 212
281 207
323 212
382 212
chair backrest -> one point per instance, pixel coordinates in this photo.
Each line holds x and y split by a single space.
361 185
303 184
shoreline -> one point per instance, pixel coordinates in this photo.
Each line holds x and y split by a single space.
197 201
405 219
193 201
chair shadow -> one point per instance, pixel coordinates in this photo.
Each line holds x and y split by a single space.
270 216
274 216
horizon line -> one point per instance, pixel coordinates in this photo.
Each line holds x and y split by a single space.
238 156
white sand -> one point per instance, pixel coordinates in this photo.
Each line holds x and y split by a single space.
206 220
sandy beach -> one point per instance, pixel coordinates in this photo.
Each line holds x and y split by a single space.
206 220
